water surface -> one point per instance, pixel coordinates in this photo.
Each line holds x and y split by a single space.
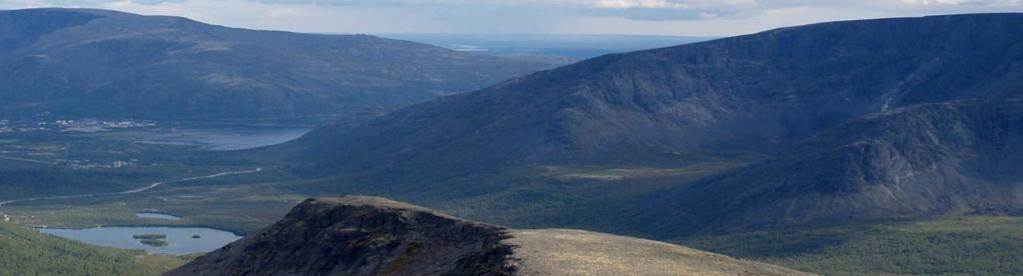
223 139
150 215
180 239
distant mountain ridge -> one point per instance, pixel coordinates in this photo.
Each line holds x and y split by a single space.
772 88
106 63
570 46
788 97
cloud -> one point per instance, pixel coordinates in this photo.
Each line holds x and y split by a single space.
86 3
667 10
670 17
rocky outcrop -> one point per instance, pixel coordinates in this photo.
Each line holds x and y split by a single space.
353 235
362 236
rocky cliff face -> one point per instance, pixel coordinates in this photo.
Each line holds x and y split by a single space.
918 161
354 235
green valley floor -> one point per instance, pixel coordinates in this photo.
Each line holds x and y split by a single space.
973 245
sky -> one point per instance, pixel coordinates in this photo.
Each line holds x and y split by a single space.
638 17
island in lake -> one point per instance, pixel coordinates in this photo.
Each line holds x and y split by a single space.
157 240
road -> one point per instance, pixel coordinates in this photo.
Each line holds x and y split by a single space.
135 191
29 160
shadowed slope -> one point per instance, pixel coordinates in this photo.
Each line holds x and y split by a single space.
741 95
918 161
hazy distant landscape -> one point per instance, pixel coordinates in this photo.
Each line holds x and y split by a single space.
552 46
144 145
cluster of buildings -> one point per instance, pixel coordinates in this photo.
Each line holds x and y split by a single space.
86 164
93 125
5 126
85 125
16 126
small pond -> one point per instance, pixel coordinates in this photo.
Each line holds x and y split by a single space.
179 240
148 215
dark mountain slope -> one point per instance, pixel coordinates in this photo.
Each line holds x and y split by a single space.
752 93
918 161
354 235
794 96
104 63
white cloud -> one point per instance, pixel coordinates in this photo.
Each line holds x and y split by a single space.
648 4
676 17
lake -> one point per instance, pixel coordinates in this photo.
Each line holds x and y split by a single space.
222 139
157 216
179 239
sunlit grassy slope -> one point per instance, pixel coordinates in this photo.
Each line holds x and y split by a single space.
979 245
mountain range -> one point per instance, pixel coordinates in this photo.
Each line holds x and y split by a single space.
875 125
824 123
79 62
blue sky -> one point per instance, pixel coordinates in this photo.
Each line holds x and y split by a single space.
658 17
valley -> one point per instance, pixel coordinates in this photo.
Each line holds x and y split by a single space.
247 203
132 175
865 147
575 196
